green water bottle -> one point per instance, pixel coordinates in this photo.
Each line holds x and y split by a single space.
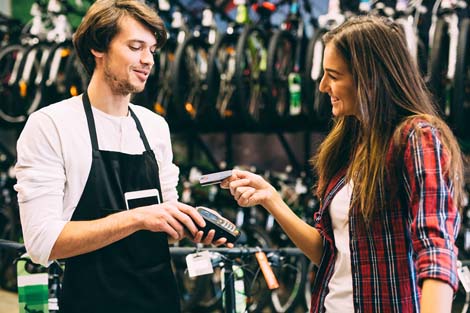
33 291
295 104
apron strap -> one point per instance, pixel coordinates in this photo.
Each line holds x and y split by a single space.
141 130
90 120
92 127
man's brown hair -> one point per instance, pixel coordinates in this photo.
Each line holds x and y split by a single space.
101 24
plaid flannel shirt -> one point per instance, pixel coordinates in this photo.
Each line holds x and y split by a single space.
405 245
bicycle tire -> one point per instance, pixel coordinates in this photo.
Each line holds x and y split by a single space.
191 290
10 229
249 73
292 279
460 107
221 99
26 93
52 89
10 58
76 77
318 104
252 236
188 77
163 102
437 68
280 64
309 282
147 96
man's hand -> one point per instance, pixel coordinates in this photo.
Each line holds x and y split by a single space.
209 239
171 218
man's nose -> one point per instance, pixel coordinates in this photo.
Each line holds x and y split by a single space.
147 57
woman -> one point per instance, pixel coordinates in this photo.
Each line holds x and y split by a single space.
389 179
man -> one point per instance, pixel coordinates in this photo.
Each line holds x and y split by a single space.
83 161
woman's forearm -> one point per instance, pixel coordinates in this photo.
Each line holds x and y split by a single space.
436 296
304 236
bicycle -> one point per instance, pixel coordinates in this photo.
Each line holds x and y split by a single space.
444 36
43 69
320 102
285 69
237 67
10 227
233 282
202 294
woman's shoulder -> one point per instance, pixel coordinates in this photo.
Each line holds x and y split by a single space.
417 124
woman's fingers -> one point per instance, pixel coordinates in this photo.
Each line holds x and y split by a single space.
246 198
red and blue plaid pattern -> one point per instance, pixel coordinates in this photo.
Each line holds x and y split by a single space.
402 246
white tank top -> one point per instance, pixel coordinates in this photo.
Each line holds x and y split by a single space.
340 295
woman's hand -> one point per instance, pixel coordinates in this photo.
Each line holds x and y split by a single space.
249 189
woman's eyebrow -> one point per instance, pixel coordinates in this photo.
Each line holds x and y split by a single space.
332 71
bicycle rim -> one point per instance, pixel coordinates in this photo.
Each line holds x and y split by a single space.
280 65
291 279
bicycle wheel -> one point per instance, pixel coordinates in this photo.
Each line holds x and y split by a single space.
10 60
280 65
438 65
10 229
460 107
147 96
308 290
76 77
162 104
250 68
221 88
291 275
191 290
255 287
53 85
317 103
190 71
24 90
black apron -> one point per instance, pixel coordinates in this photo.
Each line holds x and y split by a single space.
133 274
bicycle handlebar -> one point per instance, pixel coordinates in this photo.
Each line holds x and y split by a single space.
8 244
234 252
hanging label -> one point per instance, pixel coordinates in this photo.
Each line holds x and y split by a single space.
464 277
199 264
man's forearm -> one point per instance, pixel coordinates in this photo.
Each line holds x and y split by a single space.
79 237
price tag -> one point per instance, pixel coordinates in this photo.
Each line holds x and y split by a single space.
199 264
464 277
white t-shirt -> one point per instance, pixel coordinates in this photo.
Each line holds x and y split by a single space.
54 161
340 294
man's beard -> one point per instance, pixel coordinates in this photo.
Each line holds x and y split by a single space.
120 86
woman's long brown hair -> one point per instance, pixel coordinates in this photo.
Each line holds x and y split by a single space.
390 90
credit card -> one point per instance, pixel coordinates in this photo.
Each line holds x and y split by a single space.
214 178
